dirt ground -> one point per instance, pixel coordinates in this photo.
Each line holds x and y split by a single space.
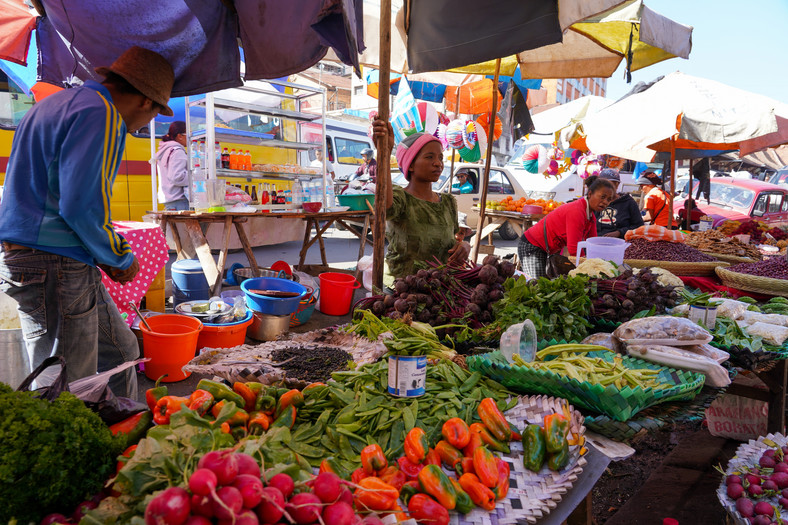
623 479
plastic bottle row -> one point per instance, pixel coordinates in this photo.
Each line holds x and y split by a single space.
226 158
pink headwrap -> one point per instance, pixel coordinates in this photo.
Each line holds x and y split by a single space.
410 147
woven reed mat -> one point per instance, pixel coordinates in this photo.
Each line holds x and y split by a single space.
531 495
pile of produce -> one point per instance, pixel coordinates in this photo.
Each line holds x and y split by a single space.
775 305
757 231
316 365
715 241
620 298
760 491
401 336
509 204
773 267
445 293
664 251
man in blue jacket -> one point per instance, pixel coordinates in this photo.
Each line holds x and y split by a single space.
55 223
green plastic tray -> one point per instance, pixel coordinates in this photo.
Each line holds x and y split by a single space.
618 404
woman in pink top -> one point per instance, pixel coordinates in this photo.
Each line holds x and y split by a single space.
564 227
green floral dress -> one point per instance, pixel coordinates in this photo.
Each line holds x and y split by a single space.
417 230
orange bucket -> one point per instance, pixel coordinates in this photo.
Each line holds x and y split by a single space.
170 345
226 335
336 292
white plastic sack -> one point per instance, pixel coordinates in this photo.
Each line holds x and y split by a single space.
365 265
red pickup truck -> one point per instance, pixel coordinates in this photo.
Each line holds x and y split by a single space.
740 200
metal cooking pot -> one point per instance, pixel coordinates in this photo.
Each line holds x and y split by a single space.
242 274
267 327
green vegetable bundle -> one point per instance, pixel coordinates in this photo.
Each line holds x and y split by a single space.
53 455
401 337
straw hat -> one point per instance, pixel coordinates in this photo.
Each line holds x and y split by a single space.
148 72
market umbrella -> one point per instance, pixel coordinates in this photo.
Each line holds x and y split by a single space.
568 118
16 23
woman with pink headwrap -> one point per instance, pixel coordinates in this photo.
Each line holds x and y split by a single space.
421 224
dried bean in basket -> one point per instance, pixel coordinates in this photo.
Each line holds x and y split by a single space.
664 251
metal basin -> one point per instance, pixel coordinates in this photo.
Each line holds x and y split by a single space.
242 274
267 327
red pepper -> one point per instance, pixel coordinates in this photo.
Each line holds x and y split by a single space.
239 418
502 488
480 494
286 418
358 475
485 466
432 458
416 445
427 511
473 444
152 395
436 483
375 494
488 439
200 401
373 459
258 422
456 432
556 427
249 396
393 476
494 420
410 469
330 464
126 454
467 466
290 398
450 456
166 407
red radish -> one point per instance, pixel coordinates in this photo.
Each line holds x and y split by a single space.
284 483
246 517
733 479
752 479
339 513
767 462
271 509
304 508
346 496
769 484
745 507
755 490
203 482
251 488
780 478
770 452
371 520
223 463
327 486
781 467
735 491
784 493
763 507
169 507
83 509
247 464
52 519
762 519
201 506
227 503
783 502
197 520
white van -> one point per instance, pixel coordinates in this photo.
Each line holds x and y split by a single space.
344 143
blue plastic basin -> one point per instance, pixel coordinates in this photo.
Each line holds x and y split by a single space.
273 305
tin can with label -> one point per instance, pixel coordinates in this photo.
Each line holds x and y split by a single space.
707 315
407 375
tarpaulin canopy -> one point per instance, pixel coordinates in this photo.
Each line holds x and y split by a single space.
16 23
199 38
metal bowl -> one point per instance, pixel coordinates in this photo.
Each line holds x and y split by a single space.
266 327
242 274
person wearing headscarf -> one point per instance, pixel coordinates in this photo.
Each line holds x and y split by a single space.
656 202
622 214
421 225
172 166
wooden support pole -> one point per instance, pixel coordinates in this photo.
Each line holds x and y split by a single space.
672 181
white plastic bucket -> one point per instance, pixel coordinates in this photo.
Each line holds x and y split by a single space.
407 375
606 248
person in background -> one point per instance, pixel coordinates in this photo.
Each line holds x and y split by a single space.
622 214
421 224
172 165
656 201
318 163
564 227
55 222
462 185
369 166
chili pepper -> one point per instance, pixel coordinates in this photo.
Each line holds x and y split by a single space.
464 503
456 432
286 418
409 468
556 426
467 466
239 417
373 459
473 444
479 493
133 427
166 406
221 392
248 395
152 395
393 476
435 483
416 445
559 460
290 398
375 494
125 458
312 386
494 419
426 510
432 458
450 456
200 401
358 475
238 432
258 422
330 464
485 466
265 404
533 447
488 439
502 488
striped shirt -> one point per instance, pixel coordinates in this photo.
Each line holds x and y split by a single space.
58 185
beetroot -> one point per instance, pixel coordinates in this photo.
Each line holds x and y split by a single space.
223 463
271 509
780 478
745 507
304 508
783 501
768 484
247 465
770 452
284 483
327 486
781 467
339 513
228 503
170 507
251 488
752 479
735 491
761 519
763 507
203 482
755 490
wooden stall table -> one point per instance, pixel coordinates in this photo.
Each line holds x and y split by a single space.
496 218
328 218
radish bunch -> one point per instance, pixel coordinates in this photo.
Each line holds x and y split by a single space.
757 490
227 488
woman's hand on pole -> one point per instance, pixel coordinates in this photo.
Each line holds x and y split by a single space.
382 132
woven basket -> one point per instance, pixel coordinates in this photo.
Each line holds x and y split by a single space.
679 267
753 283
734 259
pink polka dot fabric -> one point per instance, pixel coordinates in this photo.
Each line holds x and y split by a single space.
149 245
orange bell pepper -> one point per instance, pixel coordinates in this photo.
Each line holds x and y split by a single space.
485 466
259 422
292 397
473 444
200 401
166 406
373 459
456 432
393 476
556 427
330 464
432 458
467 466
450 456
502 488
357 475
437 484
249 395
410 469
480 494
374 494
416 445
494 420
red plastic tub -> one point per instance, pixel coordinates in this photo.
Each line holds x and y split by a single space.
336 292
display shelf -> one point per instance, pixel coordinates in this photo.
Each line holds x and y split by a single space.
254 174
253 138
255 109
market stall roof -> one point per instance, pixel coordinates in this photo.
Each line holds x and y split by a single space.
200 39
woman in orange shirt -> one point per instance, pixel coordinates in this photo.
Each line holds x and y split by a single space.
656 203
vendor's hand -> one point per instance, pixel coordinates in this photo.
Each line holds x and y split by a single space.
612 234
462 234
460 252
122 276
382 130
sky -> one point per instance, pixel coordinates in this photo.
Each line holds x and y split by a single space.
741 43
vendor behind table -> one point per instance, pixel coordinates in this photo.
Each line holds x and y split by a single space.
421 224
622 214
564 227
171 164
656 203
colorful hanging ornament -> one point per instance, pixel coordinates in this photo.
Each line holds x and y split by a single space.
588 165
454 134
535 159
429 117
440 133
469 138
484 122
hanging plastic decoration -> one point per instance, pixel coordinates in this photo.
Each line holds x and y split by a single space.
589 164
429 117
455 132
555 167
474 154
535 159
443 119
440 133
484 122
576 154
469 138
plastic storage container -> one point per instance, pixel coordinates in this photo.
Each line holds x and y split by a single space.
336 292
170 345
273 305
519 339
189 282
356 202
605 248
226 335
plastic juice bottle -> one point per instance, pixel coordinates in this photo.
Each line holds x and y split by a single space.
226 159
218 151
247 161
264 197
233 159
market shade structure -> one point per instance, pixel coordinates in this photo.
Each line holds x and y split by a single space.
200 39
567 118
16 23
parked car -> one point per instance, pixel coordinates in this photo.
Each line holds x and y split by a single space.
780 177
742 199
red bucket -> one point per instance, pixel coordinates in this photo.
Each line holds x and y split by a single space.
336 292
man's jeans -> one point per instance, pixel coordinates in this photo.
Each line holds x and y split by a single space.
65 309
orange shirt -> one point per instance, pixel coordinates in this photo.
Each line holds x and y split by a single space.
657 203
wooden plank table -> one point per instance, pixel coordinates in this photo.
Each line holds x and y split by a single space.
495 220
214 271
